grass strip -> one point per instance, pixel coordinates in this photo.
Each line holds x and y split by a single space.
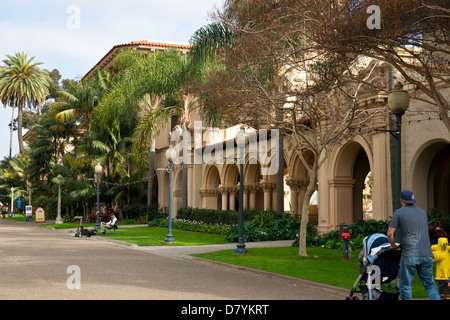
322 265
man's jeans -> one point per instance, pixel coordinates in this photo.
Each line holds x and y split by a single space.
424 267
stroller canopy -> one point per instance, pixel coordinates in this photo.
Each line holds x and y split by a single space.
374 243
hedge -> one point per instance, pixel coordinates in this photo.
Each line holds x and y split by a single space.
225 217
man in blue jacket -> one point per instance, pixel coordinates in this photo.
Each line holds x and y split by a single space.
412 223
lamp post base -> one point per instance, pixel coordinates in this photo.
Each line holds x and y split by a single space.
59 220
169 239
240 249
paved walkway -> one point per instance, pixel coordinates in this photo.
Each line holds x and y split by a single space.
185 253
35 261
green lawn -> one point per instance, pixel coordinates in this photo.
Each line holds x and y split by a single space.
322 265
154 236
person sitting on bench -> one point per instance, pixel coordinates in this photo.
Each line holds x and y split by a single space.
109 224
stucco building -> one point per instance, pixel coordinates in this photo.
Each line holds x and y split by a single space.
363 163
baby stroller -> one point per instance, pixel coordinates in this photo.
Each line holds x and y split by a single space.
380 264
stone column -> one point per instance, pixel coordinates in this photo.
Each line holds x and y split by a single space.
224 191
303 185
252 196
209 198
232 199
246 193
294 185
267 188
341 195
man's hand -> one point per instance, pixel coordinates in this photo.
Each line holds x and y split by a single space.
391 238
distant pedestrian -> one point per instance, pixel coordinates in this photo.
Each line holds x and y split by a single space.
412 223
109 224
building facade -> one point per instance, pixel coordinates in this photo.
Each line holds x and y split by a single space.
355 181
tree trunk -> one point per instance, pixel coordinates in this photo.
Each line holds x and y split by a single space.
85 211
19 127
305 210
11 135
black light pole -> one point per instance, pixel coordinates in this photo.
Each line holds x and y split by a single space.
241 140
170 155
59 219
98 170
398 101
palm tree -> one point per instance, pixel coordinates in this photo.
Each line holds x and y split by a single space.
145 84
22 84
80 99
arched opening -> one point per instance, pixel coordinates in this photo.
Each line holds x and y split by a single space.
361 172
177 192
431 176
210 190
351 171
253 194
439 181
230 188
298 181
163 190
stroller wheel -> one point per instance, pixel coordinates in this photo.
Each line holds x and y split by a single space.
351 298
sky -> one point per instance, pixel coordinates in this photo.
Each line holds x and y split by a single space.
73 35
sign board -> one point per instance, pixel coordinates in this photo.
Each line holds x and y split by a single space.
346 235
40 215
19 203
29 213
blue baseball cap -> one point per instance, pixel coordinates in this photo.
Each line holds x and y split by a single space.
407 196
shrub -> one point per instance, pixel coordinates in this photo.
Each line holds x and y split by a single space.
226 217
129 221
360 230
134 210
266 226
438 224
194 226
142 213
151 213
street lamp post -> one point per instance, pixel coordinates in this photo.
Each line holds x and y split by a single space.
29 193
241 140
11 214
170 155
398 101
98 170
59 220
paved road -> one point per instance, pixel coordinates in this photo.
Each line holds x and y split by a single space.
34 262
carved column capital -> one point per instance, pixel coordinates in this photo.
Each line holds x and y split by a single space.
204 192
267 185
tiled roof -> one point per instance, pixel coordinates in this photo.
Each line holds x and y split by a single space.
152 45
158 44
